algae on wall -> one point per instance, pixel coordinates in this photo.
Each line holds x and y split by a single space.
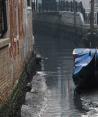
13 107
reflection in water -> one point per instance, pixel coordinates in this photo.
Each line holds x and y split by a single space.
62 100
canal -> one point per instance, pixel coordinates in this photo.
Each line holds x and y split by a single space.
57 64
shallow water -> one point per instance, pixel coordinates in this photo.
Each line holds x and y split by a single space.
57 64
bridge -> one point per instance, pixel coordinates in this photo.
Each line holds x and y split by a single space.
54 19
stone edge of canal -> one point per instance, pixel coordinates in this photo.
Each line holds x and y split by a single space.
13 107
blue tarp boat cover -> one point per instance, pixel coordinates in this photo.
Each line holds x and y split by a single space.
82 57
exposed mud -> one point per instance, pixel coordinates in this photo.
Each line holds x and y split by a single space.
35 100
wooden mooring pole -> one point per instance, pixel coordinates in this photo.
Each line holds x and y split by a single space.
92 17
91 36
74 2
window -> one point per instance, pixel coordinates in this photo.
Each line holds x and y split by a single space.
3 18
28 2
0 17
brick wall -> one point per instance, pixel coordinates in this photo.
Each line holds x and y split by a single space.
11 68
5 75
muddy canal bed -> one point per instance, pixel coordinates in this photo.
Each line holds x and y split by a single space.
53 91
35 100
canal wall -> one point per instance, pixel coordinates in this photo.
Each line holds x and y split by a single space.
15 52
10 69
14 74
12 108
17 57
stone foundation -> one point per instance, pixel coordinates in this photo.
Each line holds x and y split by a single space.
13 105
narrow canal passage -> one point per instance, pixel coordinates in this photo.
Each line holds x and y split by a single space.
57 64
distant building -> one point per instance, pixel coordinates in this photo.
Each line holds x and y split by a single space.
96 9
87 6
49 5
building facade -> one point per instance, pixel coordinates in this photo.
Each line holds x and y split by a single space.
16 43
87 6
96 9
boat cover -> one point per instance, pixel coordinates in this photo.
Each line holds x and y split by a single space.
82 58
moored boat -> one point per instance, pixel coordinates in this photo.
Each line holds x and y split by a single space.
85 67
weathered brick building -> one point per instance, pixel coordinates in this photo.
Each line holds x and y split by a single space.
16 43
